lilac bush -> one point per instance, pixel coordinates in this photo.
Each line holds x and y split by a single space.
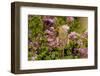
55 37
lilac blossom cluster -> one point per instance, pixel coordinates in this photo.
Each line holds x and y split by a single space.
73 35
81 48
51 37
70 20
83 52
48 21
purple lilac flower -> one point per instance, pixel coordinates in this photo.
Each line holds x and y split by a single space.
70 19
49 32
48 20
50 39
73 35
83 52
53 43
75 51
